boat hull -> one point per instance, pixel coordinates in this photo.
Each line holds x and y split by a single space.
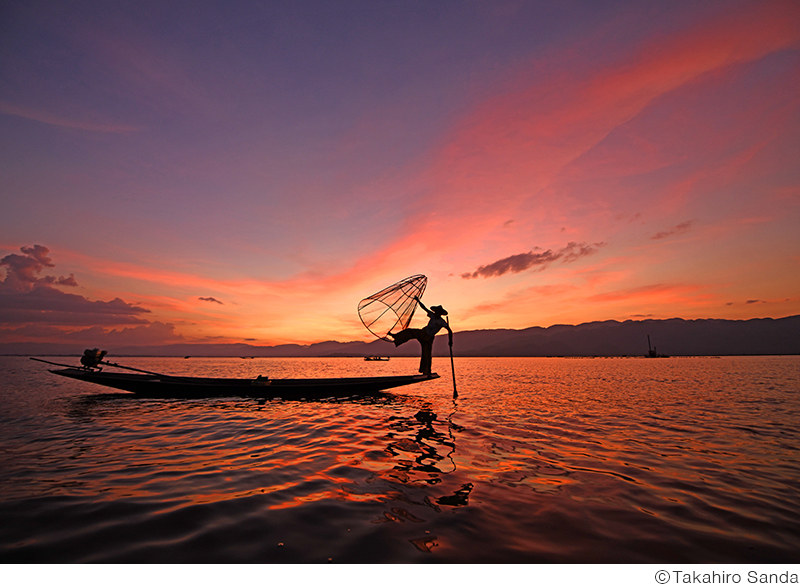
161 386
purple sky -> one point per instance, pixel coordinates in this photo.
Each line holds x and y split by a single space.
205 171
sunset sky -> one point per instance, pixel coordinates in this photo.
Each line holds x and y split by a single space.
249 171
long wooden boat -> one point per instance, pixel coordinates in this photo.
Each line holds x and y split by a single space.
151 384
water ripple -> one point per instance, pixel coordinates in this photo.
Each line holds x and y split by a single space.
539 460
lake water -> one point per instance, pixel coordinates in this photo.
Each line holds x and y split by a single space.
539 460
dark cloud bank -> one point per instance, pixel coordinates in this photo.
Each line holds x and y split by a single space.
210 300
33 306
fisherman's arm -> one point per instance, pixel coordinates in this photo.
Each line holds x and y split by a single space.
424 308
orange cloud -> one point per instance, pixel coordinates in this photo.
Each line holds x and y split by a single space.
660 293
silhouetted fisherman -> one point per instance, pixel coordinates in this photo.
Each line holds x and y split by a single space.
425 335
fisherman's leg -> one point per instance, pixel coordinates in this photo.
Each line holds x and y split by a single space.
427 356
401 337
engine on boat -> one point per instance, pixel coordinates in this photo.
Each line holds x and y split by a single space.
91 358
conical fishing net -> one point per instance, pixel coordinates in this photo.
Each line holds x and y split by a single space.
391 309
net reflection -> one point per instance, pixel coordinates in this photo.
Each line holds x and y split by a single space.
423 447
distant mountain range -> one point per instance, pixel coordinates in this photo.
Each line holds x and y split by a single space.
674 337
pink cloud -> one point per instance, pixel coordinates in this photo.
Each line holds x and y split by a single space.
152 333
55 307
502 163
678 229
533 293
22 272
512 148
156 333
64 122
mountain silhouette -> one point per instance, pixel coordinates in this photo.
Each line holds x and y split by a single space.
674 337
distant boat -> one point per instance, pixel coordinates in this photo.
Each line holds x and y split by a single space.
376 358
652 351
154 385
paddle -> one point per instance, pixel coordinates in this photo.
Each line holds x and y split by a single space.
452 365
105 364
135 369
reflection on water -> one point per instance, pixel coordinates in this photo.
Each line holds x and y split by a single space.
690 460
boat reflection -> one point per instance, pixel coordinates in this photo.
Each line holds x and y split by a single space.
413 450
87 404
